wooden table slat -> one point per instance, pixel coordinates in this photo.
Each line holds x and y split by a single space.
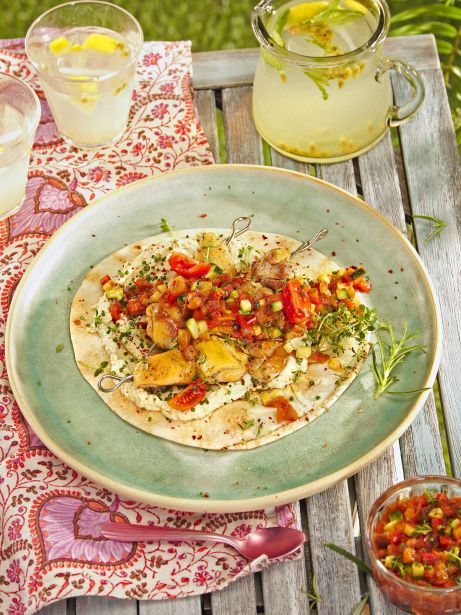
434 182
237 599
206 105
182 606
57 608
243 144
329 519
90 605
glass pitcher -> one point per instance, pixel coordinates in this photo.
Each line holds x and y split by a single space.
322 90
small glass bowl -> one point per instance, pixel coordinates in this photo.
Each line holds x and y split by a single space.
407 596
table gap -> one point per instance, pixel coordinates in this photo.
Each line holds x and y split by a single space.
71 608
206 604
358 178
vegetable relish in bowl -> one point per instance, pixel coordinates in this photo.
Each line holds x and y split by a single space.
414 545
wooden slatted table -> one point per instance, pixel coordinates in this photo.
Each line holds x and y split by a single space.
424 179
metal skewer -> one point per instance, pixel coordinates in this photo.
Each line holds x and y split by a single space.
236 232
119 380
308 244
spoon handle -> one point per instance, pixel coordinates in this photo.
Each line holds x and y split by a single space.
130 532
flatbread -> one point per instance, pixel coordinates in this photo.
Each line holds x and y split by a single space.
243 423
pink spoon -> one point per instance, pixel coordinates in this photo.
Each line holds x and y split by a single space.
270 541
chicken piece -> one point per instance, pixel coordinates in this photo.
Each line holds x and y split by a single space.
220 362
163 323
269 271
265 369
164 369
262 349
215 251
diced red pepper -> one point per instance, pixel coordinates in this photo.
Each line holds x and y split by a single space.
104 280
296 302
143 284
135 307
115 309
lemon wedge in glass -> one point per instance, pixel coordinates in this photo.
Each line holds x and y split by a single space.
101 42
59 45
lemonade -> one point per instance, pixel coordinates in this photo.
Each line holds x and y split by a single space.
313 99
87 71
18 122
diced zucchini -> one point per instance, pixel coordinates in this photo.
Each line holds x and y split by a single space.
342 293
192 327
214 271
417 570
323 277
195 285
155 296
303 352
454 523
396 515
108 285
275 332
435 513
115 293
389 561
357 273
162 287
341 272
230 301
288 348
245 306
234 294
202 327
257 330
277 306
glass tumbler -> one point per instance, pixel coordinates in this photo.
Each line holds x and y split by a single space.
19 117
85 54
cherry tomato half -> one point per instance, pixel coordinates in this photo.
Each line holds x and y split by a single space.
115 309
188 397
188 267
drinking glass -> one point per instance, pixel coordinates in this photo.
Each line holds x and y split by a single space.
322 90
19 118
85 54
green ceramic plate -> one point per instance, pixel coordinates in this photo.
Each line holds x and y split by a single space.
76 424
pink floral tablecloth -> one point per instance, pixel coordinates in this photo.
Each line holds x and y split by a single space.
50 548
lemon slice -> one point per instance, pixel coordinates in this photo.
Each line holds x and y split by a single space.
304 11
101 42
356 6
59 45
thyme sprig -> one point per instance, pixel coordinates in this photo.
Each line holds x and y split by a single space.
392 351
336 327
437 228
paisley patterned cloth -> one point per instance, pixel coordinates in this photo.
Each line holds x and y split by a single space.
50 547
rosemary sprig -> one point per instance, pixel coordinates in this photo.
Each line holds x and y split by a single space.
358 562
438 226
391 353
314 596
360 608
